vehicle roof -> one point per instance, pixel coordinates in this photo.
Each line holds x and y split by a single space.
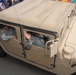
42 14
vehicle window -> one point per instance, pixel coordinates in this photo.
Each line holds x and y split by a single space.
63 30
7 32
35 39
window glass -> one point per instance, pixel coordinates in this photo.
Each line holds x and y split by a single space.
64 28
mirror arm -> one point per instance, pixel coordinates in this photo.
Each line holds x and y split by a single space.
54 62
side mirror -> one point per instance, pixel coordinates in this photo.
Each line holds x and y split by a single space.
52 46
48 43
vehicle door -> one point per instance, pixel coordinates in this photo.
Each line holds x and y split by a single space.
38 54
13 45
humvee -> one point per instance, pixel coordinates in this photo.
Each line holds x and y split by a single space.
52 19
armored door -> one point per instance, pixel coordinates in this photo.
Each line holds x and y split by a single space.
13 45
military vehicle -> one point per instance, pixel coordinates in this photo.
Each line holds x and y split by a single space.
55 21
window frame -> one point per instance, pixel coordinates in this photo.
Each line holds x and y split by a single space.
53 37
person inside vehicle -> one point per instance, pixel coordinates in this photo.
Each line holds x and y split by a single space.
28 40
34 39
7 33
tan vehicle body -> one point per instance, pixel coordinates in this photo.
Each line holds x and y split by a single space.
54 19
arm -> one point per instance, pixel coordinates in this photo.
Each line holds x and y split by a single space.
5 37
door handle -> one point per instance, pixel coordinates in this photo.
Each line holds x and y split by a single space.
22 44
27 48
